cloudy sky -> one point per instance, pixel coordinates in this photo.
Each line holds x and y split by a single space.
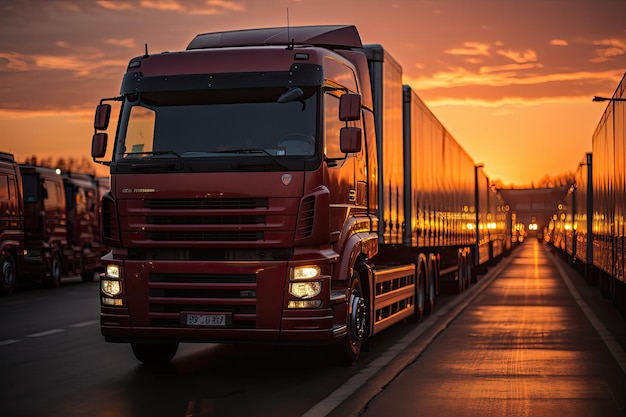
512 80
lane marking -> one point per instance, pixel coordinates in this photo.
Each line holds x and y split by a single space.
50 332
614 347
45 333
84 324
8 342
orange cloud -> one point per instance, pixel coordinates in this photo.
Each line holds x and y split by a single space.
520 57
82 63
510 67
208 7
461 77
125 43
613 48
115 5
558 42
471 48
14 61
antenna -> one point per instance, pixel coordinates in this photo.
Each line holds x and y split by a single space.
289 46
146 46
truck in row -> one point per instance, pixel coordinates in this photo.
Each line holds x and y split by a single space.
49 224
589 225
282 186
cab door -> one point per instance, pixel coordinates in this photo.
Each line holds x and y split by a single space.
340 168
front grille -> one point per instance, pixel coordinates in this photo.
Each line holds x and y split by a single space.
171 295
204 278
206 203
206 220
204 236
305 221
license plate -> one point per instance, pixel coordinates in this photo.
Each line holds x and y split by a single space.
207 319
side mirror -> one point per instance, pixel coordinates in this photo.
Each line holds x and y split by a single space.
350 139
103 114
99 145
350 107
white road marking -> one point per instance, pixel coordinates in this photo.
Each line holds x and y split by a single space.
614 347
8 342
45 333
84 324
50 332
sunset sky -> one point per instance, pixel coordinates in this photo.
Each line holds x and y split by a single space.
512 80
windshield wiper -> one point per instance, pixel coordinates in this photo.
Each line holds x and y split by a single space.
256 150
145 165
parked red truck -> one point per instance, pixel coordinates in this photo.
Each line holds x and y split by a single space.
85 249
49 224
11 222
266 187
45 224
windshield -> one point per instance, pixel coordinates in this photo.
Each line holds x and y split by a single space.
224 123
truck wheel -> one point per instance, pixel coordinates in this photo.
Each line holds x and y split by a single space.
356 321
9 273
155 353
432 275
461 274
56 271
420 295
468 271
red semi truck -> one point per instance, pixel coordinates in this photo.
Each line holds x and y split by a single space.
49 224
11 222
83 194
280 185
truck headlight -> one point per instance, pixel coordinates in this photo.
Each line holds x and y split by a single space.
113 271
111 287
305 272
305 289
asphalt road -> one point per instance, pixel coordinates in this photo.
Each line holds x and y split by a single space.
516 343
536 341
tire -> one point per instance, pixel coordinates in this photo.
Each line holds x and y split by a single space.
56 271
420 295
155 353
356 321
471 268
9 274
461 274
429 307
467 262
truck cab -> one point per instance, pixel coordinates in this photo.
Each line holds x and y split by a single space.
11 223
82 202
45 224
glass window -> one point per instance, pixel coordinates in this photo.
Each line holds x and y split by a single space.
218 123
4 188
332 126
140 130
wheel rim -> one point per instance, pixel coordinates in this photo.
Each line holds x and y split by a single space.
56 268
421 291
8 273
357 317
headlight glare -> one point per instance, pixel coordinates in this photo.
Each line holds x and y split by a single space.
111 287
305 272
305 289
113 271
